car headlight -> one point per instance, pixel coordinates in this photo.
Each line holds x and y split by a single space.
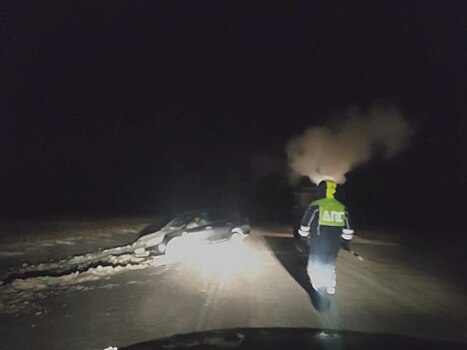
155 241
162 247
140 251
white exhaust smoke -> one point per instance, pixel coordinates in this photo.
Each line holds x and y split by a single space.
330 152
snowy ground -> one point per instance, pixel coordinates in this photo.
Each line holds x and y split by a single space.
97 294
32 242
39 259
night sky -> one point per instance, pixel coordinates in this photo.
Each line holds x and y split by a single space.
112 108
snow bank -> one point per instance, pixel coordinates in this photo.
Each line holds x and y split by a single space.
113 255
24 295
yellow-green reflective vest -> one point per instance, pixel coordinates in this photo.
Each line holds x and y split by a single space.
331 212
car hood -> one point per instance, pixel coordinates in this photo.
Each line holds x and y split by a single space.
142 241
291 338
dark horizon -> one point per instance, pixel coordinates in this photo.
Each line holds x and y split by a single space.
154 107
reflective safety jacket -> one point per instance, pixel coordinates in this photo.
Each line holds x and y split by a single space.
326 214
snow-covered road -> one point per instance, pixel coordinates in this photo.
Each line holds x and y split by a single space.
122 300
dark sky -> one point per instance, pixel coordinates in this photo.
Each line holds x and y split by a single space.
113 107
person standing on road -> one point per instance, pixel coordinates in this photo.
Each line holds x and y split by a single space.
326 223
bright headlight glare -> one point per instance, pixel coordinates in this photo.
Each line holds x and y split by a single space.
155 241
139 250
221 260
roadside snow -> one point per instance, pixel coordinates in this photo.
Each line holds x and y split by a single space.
113 255
73 258
32 283
24 295
31 242
10 253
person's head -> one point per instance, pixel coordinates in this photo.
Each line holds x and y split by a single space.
196 219
326 189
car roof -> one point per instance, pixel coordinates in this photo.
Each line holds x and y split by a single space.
193 212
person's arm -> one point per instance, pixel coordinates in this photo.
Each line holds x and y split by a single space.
347 233
311 214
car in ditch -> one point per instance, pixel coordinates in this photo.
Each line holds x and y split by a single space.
192 229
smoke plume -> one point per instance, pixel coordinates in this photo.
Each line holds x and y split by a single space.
330 152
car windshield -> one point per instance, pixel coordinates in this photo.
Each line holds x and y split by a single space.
179 221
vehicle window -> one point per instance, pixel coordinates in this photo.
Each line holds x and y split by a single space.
204 218
179 221
215 215
207 218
